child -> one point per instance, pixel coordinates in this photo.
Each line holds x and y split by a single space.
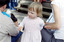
32 23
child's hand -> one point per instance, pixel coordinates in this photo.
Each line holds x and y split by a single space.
21 29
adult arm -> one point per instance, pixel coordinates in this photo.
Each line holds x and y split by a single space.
12 29
56 24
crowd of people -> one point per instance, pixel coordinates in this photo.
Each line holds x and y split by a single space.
33 26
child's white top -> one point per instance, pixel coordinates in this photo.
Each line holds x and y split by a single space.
59 34
32 29
32 24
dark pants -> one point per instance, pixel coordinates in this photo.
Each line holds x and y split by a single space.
56 40
47 36
15 38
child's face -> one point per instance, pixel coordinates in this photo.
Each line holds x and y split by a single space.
32 14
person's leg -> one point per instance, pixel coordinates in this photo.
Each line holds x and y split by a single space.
10 6
14 4
56 40
38 0
15 38
34 0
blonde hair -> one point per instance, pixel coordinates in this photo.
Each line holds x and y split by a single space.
37 7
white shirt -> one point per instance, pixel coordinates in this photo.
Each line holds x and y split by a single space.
59 34
37 21
32 29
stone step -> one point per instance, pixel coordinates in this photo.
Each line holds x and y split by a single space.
25 9
44 8
21 2
27 4
47 7
46 13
